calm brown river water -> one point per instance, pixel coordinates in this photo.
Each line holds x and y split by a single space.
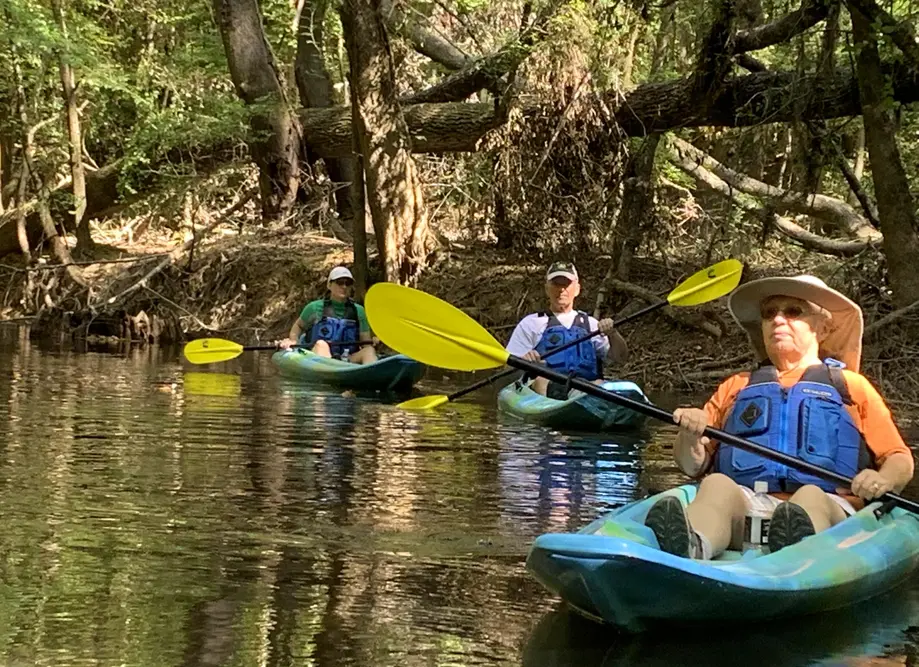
155 514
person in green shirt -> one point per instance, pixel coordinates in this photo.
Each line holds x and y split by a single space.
333 327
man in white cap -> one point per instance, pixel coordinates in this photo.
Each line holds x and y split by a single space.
537 334
333 326
807 399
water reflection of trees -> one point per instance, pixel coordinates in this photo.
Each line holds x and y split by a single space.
150 525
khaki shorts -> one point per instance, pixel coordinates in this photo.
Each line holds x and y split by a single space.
769 503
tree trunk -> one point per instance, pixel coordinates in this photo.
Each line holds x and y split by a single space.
637 200
85 243
896 208
275 141
315 89
361 265
393 186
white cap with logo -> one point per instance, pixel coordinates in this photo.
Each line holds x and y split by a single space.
340 272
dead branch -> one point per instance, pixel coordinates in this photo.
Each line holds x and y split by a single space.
804 18
880 324
816 242
176 254
721 363
787 227
871 211
426 42
821 206
675 315
700 376
50 267
750 63
487 72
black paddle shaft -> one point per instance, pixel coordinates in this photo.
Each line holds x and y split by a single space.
728 438
577 341
252 348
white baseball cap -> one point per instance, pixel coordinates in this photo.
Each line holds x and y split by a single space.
340 272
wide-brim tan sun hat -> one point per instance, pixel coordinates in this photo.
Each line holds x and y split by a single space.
844 342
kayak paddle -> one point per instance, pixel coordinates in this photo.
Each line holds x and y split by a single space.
701 287
431 331
214 350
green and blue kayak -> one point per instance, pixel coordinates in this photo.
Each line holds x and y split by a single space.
613 571
396 373
578 412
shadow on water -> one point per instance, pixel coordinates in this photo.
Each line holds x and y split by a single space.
883 626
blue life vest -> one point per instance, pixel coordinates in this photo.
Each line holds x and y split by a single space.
337 330
580 360
809 420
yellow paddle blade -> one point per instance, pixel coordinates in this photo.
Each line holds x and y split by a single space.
429 330
424 402
708 284
211 350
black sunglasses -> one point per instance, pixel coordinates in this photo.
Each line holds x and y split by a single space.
344 282
791 311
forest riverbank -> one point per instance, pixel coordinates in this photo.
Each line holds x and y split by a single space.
247 283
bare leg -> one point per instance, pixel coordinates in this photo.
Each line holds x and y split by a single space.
821 510
365 355
540 385
322 349
718 511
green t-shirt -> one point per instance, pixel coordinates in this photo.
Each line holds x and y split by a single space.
312 313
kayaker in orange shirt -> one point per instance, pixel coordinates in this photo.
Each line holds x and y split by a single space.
807 399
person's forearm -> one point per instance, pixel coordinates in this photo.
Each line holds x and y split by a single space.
295 331
682 455
898 469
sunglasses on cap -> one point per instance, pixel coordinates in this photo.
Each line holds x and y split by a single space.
344 282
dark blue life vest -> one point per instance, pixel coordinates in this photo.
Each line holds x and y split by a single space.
809 420
337 330
580 360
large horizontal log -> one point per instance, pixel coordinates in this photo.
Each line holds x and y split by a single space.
755 99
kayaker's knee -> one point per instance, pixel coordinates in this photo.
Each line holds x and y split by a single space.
717 484
322 348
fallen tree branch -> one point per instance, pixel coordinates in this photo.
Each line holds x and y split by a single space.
821 206
871 211
487 72
781 30
787 227
424 41
173 256
49 267
675 315
744 101
874 327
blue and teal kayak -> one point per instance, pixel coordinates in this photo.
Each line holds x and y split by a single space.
578 412
613 571
396 373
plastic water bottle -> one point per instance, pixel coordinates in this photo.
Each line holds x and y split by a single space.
345 355
756 523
